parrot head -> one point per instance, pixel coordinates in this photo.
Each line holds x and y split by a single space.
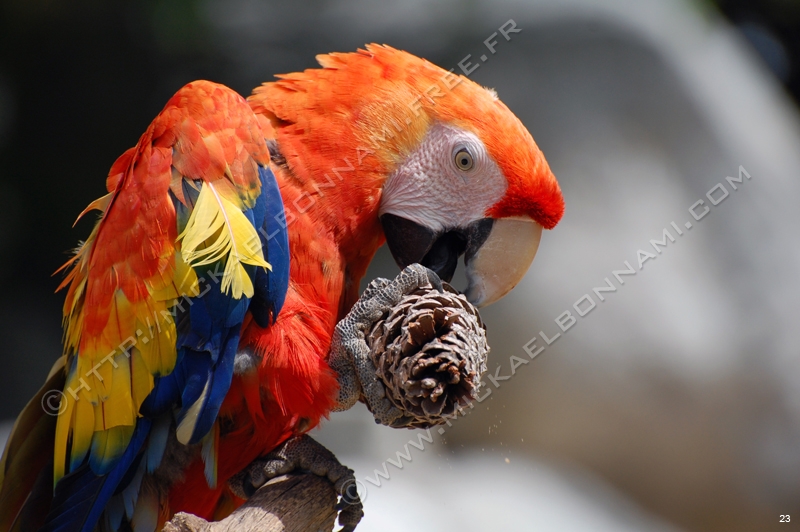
476 186
458 174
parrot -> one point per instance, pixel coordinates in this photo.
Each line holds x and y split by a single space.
213 318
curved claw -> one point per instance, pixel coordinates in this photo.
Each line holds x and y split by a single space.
435 280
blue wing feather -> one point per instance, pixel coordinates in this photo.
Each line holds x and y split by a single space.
271 286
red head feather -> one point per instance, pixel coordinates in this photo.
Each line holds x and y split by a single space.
375 106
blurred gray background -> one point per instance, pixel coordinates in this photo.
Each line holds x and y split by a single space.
673 405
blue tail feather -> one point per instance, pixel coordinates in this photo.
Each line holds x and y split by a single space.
157 443
81 496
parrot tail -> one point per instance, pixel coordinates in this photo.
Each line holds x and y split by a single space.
26 469
81 496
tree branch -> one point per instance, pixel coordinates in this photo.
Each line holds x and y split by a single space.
289 503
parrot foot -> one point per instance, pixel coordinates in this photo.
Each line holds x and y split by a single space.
305 453
349 351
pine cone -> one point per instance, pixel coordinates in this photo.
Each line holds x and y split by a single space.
430 353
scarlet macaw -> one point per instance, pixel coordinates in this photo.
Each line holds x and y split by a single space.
194 347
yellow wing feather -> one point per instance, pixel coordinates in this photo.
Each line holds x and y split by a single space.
218 230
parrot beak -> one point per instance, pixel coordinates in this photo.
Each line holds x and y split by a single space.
497 252
501 261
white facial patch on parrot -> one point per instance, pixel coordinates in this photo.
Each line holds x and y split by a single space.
430 188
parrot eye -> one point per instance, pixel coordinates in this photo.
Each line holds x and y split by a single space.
464 160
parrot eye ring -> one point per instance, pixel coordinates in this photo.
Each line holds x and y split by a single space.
463 159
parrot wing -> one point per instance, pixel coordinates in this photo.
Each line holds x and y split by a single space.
156 299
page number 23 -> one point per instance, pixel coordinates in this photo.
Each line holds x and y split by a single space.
785 519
